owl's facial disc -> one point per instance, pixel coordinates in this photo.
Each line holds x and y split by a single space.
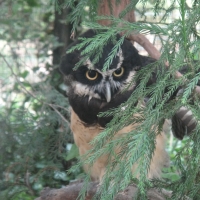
108 87
102 85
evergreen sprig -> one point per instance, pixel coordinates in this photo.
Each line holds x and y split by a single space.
180 41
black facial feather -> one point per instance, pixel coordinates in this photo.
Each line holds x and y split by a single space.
115 102
80 75
131 57
85 109
125 74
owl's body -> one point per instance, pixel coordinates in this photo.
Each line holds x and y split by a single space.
91 91
83 135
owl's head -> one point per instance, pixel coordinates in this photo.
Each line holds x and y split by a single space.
90 79
92 90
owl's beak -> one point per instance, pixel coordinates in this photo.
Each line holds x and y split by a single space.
107 92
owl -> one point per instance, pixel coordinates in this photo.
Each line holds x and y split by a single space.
92 90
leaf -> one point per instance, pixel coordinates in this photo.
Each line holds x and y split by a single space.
24 74
32 3
73 153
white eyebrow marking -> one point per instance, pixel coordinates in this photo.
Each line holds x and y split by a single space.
109 72
89 64
121 58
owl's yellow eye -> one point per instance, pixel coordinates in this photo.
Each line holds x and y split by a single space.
91 75
119 72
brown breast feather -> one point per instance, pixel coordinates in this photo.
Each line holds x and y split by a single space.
83 135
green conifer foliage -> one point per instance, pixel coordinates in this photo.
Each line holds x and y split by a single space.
36 146
176 24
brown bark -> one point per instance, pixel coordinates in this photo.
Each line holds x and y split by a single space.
108 8
71 192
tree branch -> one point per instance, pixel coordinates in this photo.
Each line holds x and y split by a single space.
71 192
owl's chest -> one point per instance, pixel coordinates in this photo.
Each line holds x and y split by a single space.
84 134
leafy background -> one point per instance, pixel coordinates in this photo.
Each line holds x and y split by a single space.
36 146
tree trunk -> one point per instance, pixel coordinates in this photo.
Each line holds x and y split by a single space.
62 31
109 8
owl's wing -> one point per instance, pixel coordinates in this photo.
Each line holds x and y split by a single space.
183 122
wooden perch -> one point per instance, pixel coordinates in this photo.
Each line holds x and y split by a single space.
146 44
71 192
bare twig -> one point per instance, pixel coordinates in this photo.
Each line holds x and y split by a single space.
62 117
27 182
